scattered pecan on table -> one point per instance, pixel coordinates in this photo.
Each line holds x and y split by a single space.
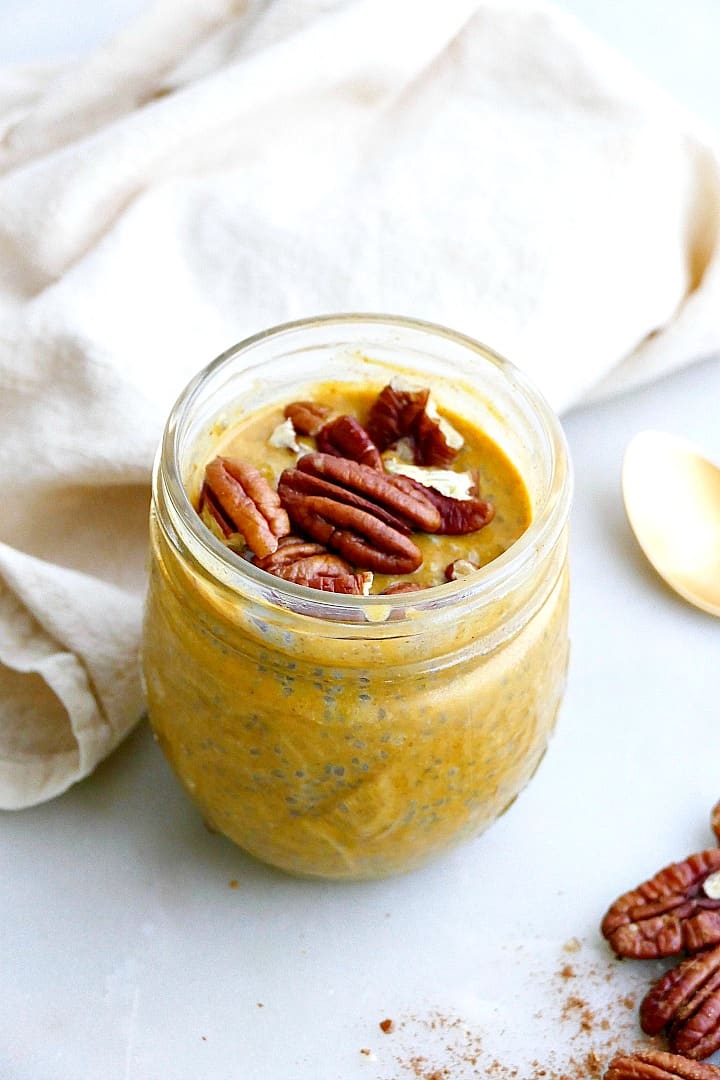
715 821
686 1001
676 910
658 1065
239 499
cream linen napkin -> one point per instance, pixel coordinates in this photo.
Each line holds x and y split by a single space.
222 166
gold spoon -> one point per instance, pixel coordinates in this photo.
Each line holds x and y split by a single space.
672 500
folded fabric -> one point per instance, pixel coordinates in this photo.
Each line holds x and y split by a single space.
223 166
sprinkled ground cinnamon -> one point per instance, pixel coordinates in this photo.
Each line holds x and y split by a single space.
593 1064
585 1018
578 1008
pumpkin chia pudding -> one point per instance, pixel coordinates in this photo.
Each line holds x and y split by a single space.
356 626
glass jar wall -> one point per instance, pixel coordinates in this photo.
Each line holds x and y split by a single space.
355 736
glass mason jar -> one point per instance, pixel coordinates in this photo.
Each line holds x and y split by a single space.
355 736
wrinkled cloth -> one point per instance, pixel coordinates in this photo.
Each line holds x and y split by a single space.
222 166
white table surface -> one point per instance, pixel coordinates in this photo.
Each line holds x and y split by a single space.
125 951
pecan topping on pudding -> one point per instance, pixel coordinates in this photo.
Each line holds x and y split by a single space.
370 511
313 565
460 516
408 413
435 442
408 502
349 513
401 587
307 416
345 437
239 499
394 413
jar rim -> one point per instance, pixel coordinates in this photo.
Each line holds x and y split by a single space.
489 582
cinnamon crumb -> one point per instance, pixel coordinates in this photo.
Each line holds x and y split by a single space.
593 1064
387 1026
575 1003
233 884
419 1066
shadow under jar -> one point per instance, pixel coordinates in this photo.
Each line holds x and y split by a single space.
355 736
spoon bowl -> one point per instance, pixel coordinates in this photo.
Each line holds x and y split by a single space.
672 500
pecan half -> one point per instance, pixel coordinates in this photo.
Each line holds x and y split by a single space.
686 1000
239 498
658 1065
410 415
394 413
410 504
457 516
358 536
313 565
307 416
431 442
669 913
715 821
307 483
346 437
354 512
213 516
